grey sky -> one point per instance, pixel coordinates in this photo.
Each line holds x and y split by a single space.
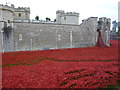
86 8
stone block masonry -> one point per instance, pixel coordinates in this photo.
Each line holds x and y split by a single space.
39 36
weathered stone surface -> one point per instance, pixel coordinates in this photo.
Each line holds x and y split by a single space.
37 36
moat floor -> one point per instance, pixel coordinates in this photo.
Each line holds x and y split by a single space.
92 67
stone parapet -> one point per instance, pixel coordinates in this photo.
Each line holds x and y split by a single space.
5 7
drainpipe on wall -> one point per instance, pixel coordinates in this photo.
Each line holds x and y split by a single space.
31 43
2 41
2 37
71 39
16 46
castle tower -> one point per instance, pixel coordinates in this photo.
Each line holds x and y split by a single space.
10 13
22 13
58 15
104 25
6 13
67 18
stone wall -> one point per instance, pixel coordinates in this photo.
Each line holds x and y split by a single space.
7 16
33 36
1 37
89 30
39 36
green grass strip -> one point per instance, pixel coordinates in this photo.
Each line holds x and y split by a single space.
9 65
52 59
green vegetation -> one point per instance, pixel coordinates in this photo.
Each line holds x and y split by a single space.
9 65
54 20
47 19
114 86
37 18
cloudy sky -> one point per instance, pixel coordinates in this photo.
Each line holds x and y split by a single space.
86 8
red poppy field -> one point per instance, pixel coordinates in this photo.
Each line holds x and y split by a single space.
91 67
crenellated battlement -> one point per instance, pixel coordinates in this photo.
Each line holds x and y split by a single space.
72 13
10 13
22 9
62 12
67 17
6 7
104 23
12 8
